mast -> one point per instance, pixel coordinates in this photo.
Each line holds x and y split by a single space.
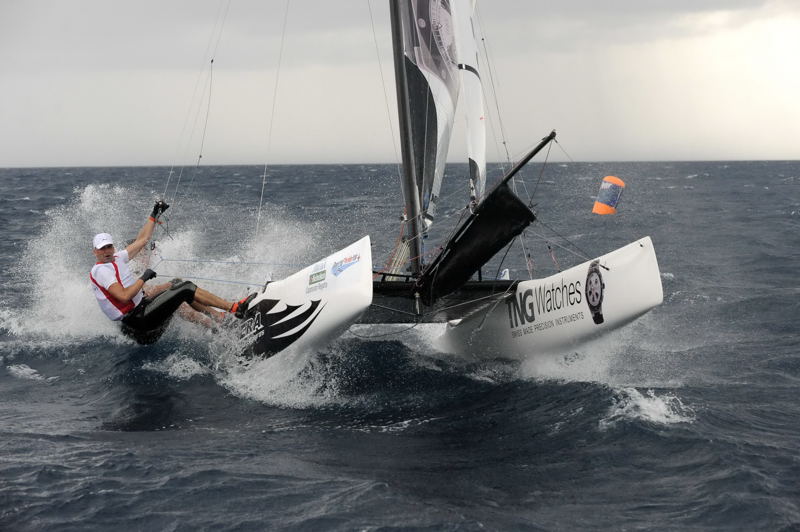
410 190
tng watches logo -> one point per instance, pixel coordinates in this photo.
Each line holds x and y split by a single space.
524 306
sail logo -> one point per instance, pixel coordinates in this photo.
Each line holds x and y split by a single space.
340 266
527 305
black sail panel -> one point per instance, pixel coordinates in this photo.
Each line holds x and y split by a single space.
499 218
424 129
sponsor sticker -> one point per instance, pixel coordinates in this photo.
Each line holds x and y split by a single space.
525 307
316 277
340 266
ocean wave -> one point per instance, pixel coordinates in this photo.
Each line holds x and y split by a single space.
629 404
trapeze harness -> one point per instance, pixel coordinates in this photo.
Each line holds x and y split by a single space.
146 321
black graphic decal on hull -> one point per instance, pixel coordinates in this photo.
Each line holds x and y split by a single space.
271 327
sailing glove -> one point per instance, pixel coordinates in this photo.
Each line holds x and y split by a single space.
158 209
147 275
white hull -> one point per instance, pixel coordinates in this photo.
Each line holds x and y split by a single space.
553 314
310 308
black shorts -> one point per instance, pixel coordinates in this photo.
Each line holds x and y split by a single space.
148 321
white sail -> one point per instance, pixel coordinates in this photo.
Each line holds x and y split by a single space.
429 86
471 93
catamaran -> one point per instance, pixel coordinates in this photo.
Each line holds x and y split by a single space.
436 62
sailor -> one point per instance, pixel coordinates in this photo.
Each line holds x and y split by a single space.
121 297
194 311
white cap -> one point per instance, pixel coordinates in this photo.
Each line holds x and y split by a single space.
102 239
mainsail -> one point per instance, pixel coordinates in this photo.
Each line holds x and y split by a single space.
433 40
427 86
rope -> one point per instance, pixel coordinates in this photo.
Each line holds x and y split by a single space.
496 100
490 296
565 151
364 337
553 256
583 254
272 113
212 279
385 97
541 173
234 262
221 22
503 259
196 87
203 136
395 310
490 310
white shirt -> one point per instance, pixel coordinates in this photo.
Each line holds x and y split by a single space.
104 274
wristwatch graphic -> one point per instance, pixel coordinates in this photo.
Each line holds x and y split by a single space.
594 291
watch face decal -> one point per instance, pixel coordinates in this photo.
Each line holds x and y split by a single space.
594 291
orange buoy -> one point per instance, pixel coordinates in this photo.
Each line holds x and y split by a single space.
610 192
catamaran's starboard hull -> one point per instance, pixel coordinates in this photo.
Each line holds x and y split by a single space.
311 307
559 312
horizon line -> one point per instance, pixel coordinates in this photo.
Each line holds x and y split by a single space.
599 161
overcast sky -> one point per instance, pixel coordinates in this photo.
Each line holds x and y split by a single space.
104 82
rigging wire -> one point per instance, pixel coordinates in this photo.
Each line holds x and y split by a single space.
219 21
541 173
385 96
236 262
202 137
496 99
508 248
581 253
565 151
218 31
504 142
398 164
527 255
272 113
392 333
214 279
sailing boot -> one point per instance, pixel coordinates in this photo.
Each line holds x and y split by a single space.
240 307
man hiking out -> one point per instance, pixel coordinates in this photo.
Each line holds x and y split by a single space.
121 297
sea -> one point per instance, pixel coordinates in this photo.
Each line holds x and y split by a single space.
686 419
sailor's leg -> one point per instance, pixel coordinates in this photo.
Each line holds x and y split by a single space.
154 290
204 297
208 311
146 325
189 312
165 304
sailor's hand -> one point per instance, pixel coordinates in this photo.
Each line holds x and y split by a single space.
147 275
158 209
